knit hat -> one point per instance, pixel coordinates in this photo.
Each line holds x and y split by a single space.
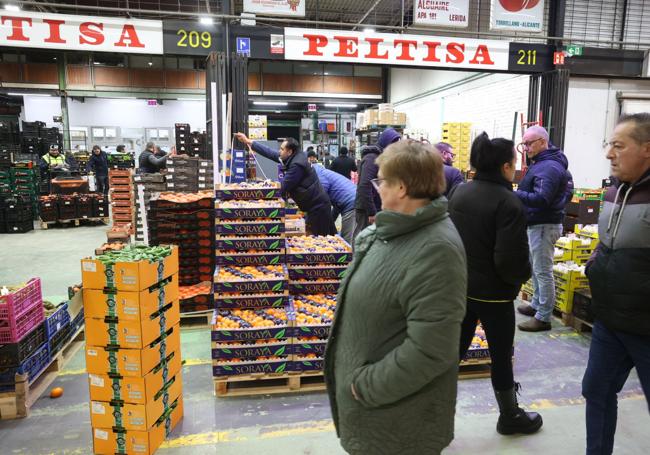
387 137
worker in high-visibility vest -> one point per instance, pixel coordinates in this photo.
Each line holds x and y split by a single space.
53 160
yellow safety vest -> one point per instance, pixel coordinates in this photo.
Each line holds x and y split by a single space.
54 160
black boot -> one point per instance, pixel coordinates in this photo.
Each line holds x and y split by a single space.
513 419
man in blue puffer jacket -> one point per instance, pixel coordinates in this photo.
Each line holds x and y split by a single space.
545 190
342 193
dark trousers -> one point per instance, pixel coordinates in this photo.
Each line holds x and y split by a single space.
611 358
361 222
498 321
101 184
319 221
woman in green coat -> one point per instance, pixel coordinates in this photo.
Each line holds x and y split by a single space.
391 364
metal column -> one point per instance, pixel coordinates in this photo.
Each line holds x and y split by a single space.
239 84
62 63
216 89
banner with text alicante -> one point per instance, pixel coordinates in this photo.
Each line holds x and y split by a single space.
517 15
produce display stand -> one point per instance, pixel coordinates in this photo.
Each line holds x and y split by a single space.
16 404
75 222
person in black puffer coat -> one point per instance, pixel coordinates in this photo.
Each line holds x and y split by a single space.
491 220
300 183
619 277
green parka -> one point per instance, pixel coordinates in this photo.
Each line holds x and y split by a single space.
395 335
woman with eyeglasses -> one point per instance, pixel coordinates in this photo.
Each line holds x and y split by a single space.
391 364
491 221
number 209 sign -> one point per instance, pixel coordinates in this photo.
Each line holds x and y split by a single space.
190 38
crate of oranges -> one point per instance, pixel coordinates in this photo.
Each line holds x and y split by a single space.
248 190
251 279
298 272
318 286
250 257
247 325
234 300
259 227
258 365
244 244
313 315
330 249
304 345
478 350
246 209
306 362
251 349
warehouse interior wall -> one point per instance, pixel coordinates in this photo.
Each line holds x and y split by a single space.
432 97
592 112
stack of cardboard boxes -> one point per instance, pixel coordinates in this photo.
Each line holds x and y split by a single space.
133 352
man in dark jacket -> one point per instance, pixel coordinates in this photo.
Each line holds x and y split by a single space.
453 178
343 164
149 163
619 276
300 183
544 190
341 192
368 202
98 163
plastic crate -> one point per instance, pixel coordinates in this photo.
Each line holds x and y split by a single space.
59 340
57 320
32 366
20 311
14 353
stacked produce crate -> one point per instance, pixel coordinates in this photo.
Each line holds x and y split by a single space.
122 197
251 327
146 186
133 352
58 327
316 266
182 174
186 220
458 135
25 180
23 340
182 133
120 161
68 207
16 214
583 209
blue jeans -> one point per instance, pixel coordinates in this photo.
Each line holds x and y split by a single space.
541 240
611 357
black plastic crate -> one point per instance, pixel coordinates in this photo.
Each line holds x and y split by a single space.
60 339
19 227
17 214
582 305
14 354
32 366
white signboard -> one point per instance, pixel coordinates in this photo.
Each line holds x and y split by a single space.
454 13
517 15
393 49
276 7
82 33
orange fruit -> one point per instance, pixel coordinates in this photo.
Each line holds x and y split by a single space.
56 392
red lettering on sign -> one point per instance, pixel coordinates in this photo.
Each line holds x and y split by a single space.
374 48
129 33
88 35
432 46
17 27
347 46
55 31
315 43
406 49
455 53
483 54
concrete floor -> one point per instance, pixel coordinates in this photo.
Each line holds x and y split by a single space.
549 366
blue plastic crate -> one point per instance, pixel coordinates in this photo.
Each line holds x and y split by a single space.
59 319
77 322
32 366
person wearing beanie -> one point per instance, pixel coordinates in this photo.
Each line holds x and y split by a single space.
544 191
343 164
367 202
312 156
453 176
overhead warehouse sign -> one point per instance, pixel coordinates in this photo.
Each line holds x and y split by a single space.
275 7
517 15
191 38
453 13
415 50
83 33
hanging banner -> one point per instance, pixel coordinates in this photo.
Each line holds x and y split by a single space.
276 7
393 49
82 33
454 13
517 15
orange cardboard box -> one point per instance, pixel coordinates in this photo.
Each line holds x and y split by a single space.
134 362
108 441
133 390
140 417
128 276
129 305
114 332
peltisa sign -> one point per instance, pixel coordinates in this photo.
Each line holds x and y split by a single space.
394 49
83 33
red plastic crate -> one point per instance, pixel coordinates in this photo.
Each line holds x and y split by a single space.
20 312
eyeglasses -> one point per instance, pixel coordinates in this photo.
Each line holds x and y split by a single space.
376 183
523 146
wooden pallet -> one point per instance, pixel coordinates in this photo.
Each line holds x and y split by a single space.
267 384
16 404
566 318
74 222
582 326
474 370
199 319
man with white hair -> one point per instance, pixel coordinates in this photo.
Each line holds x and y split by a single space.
544 191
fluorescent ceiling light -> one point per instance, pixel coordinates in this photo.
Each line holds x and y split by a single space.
28 94
369 30
341 105
12 7
270 103
205 20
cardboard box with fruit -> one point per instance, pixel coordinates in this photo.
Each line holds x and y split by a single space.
330 249
251 279
248 190
234 300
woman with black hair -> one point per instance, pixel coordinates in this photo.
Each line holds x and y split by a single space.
491 220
